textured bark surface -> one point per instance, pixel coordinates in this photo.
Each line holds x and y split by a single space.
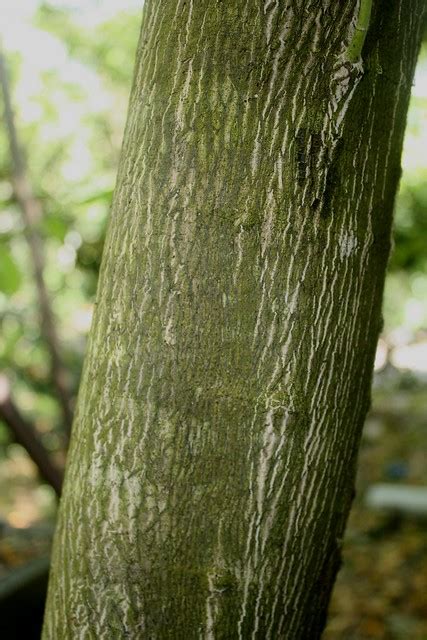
213 456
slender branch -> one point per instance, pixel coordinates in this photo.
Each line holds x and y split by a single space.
31 213
25 433
357 41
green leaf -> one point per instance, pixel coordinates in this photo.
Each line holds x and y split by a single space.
55 226
10 274
105 195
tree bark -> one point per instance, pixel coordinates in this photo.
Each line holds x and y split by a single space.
228 374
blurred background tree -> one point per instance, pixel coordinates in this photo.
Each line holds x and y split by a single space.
70 68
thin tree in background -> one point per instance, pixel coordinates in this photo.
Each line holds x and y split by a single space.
31 211
228 374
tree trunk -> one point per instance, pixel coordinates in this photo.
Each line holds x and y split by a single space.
228 374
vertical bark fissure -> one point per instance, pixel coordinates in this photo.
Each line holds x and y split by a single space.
227 378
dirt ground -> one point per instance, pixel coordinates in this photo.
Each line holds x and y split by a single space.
381 591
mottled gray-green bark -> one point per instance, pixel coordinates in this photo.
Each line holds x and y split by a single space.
213 456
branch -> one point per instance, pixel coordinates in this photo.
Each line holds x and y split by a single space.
357 41
31 213
26 434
